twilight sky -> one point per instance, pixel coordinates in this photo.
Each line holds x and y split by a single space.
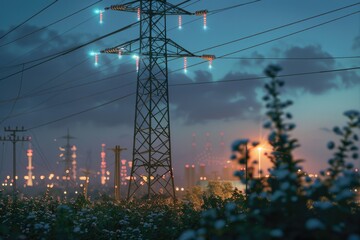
71 83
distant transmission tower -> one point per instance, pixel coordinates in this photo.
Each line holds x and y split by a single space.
151 172
68 156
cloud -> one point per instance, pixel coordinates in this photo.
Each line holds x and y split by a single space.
197 104
58 80
194 104
356 44
314 83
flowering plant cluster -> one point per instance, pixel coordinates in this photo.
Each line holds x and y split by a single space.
288 204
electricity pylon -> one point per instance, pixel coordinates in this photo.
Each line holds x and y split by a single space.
152 172
68 156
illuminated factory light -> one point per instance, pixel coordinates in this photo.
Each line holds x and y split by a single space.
103 164
83 178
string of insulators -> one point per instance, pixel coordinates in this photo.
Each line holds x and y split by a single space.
185 64
204 14
210 58
96 59
118 7
110 50
120 54
205 26
101 17
137 64
180 22
138 14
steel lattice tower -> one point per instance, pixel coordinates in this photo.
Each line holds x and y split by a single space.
151 172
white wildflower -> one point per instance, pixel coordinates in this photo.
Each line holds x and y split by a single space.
354 237
323 205
188 235
276 233
219 224
314 224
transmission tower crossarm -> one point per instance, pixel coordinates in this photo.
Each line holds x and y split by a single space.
175 50
171 9
125 7
125 48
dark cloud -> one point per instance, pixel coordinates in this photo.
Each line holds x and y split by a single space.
194 104
356 44
314 83
197 104
258 59
59 78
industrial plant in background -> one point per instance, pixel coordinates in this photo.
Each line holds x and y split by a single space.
68 157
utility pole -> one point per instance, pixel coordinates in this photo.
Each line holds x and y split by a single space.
14 139
152 171
117 179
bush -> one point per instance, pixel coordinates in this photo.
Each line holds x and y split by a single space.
289 204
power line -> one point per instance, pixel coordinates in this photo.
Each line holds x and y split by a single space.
272 40
71 101
65 52
16 99
256 45
293 33
265 77
239 39
232 7
83 111
193 83
49 25
279 27
42 44
41 153
28 19
216 11
49 90
291 58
